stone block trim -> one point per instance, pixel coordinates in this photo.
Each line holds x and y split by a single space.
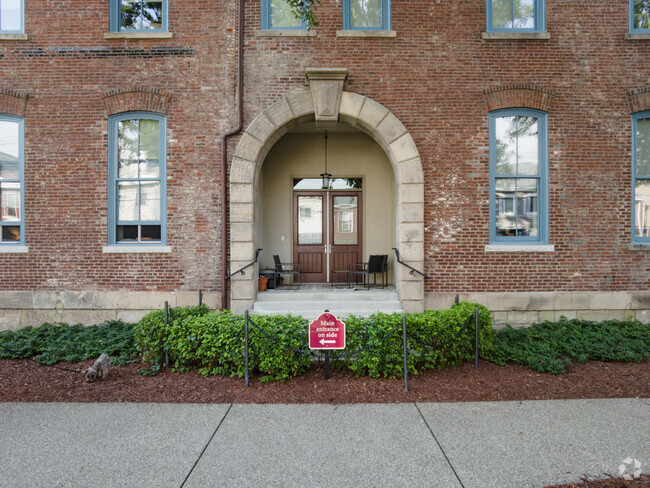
359 111
13 102
520 96
638 99
137 99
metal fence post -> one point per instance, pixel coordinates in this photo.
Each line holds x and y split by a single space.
476 339
246 347
166 333
406 366
200 297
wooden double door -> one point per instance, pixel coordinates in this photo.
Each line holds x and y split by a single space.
327 233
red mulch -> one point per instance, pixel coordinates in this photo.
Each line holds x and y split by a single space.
25 381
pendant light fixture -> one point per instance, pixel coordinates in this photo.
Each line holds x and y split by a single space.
325 176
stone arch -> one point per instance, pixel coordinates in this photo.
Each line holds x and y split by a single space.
356 110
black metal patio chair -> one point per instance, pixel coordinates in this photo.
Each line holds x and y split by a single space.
377 264
286 268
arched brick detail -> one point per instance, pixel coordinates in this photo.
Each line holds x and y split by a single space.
639 99
356 110
518 96
137 99
12 102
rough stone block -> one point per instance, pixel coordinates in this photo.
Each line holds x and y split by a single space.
86 317
389 130
261 127
239 306
567 314
541 301
412 306
412 291
600 315
16 299
610 301
187 298
478 298
133 300
571 301
10 319
404 149
508 301
351 104
411 232
44 299
371 114
212 299
248 147
241 232
643 316
131 316
241 193
522 319
411 193
410 171
242 171
280 113
243 251
438 301
640 300
242 212
301 103
411 212
244 289
75 300
499 320
547 315
411 252
34 318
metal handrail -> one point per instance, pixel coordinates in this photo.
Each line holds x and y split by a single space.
413 270
241 270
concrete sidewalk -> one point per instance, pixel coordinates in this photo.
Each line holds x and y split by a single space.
491 444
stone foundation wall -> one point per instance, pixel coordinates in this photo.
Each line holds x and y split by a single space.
525 309
25 308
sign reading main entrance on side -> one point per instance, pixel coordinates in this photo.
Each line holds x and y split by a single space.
327 332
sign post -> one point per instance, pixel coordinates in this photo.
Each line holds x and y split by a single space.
326 333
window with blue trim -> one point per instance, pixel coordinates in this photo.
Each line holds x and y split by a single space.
518 177
640 16
366 14
136 179
641 178
11 17
516 16
12 200
278 15
139 15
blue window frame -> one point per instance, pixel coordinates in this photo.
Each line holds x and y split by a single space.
137 207
518 177
641 177
640 16
12 195
278 15
366 14
12 17
516 16
139 15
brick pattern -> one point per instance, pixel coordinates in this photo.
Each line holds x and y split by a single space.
639 99
135 99
13 102
438 77
523 96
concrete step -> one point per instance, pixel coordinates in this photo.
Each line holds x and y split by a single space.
311 300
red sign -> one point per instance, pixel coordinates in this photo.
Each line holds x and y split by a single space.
327 332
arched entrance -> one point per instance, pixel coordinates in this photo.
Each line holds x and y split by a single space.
357 111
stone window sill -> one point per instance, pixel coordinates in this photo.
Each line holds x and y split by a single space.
515 36
127 249
366 33
637 37
138 35
10 249
520 248
14 37
285 33
638 247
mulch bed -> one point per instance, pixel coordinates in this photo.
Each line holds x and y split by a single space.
26 381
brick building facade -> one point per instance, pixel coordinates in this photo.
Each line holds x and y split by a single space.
432 89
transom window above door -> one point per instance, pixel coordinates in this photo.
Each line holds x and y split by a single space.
334 184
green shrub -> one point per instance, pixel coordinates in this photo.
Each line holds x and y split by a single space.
550 346
436 338
55 343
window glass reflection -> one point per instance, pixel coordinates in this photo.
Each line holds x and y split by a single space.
310 220
365 13
10 16
513 14
282 15
641 14
643 147
345 220
642 208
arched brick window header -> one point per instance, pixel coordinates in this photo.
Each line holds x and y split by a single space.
639 99
12 102
518 96
137 100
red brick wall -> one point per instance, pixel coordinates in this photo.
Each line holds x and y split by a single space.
436 76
